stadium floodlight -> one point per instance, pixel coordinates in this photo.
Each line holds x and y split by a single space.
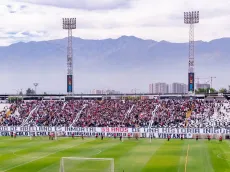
82 164
69 24
191 18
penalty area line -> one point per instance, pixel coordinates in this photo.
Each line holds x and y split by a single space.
186 160
43 157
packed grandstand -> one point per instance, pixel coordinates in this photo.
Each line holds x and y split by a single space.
118 113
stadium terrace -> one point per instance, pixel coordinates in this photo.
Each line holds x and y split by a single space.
131 113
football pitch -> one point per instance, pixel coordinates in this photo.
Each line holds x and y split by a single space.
43 155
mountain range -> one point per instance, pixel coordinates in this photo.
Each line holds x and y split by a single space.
121 64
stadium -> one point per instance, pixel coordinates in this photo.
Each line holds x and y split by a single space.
145 132
109 133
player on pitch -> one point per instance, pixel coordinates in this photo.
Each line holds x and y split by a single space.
220 139
52 136
121 138
129 136
169 137
15 134
209 137
136 136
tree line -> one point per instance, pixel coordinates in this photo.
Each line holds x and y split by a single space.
31 91
210 90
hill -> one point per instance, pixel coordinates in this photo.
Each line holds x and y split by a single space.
122 64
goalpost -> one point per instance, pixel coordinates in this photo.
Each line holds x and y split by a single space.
82 164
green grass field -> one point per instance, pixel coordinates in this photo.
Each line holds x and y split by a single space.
43 155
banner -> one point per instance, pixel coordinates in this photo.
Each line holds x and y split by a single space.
69 83
191 82
110 131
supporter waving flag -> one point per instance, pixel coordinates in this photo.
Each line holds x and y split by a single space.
8 113
188 114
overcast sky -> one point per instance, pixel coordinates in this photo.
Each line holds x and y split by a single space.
36 20
26 20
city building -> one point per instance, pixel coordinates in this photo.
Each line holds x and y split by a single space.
151 88
104 92
111 92
158 88
202 86
96 91
178 88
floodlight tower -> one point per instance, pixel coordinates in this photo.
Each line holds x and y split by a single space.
191 18
212 77
69 24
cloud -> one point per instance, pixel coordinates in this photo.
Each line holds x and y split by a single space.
83 4
38 20
23 7
10 9
101 19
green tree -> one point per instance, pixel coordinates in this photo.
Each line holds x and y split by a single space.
14 99
223 90
201 90
212 90
205 90
30 91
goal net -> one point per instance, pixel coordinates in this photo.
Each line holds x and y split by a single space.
79 164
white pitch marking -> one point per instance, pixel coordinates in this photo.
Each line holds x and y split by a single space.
99 151
42 157
219 156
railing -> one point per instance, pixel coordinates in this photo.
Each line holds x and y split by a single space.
151 121
30 114
128 112
63 107
78 115
153 116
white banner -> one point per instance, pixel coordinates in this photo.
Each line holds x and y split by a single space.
110 131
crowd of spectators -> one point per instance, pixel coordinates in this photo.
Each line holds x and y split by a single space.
118 113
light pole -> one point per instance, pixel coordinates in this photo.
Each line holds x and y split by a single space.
135 91
191 18
69 24
22 93
35 86
212 77
17 94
